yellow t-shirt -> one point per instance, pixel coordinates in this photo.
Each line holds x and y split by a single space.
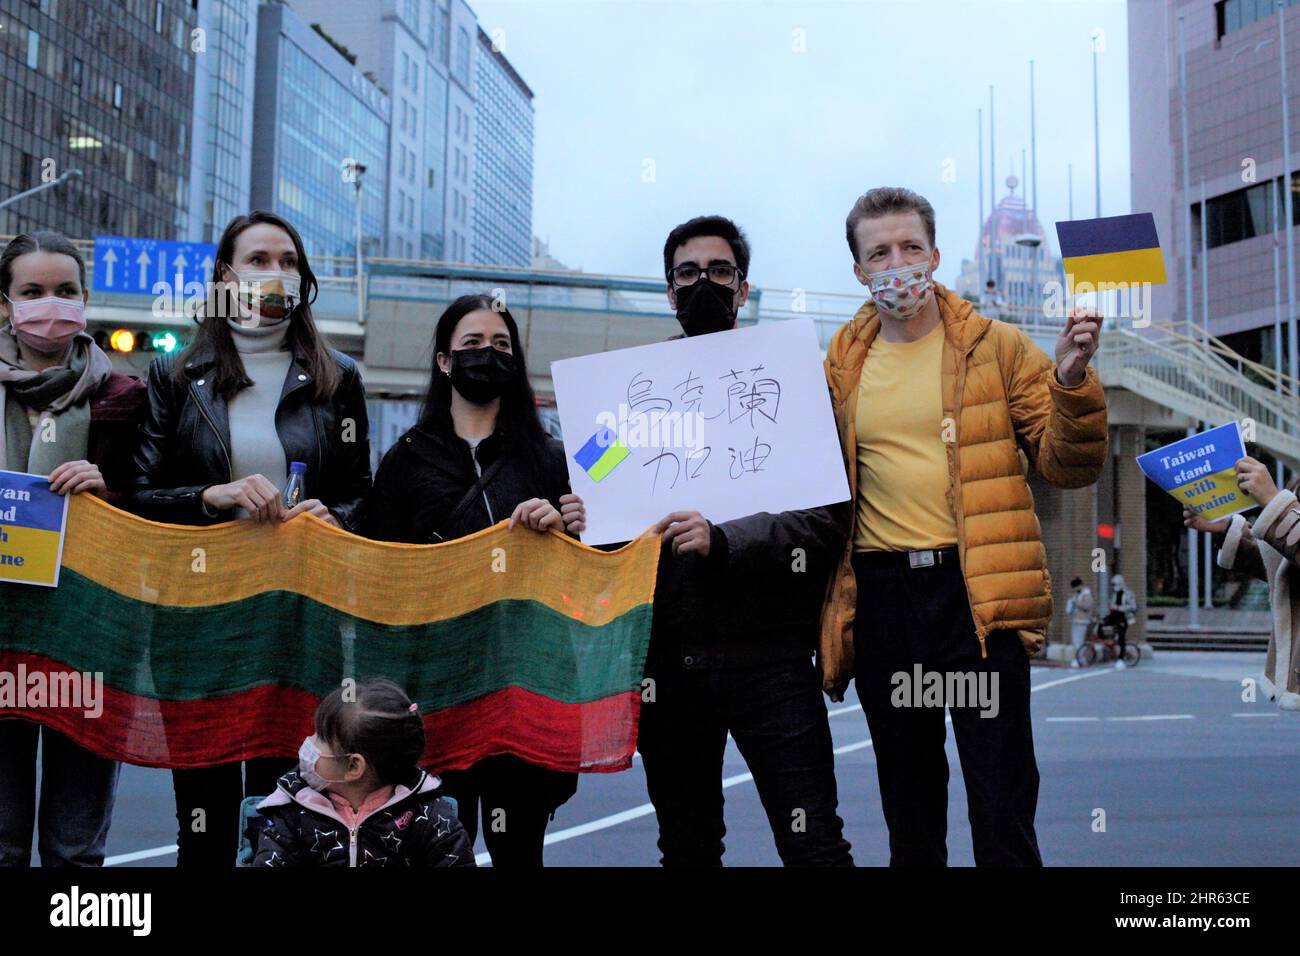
902 502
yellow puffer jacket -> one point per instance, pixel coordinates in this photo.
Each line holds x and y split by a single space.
1000 390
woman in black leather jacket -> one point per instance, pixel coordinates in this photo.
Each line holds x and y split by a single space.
257 389
478 456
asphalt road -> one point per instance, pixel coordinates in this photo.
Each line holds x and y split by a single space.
1187 773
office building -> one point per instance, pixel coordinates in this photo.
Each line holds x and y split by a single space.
224 84
503 171
106 89
313 110
1234 133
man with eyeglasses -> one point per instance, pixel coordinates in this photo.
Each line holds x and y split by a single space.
735 627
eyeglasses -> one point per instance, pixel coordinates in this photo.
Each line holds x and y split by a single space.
688 273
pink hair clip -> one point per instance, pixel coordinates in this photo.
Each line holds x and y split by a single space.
415 708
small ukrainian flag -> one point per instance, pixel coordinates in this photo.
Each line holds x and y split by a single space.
601 454
1112 249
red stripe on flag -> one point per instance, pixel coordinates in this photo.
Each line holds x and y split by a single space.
271 721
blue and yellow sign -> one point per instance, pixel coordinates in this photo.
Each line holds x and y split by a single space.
32 521
1199 471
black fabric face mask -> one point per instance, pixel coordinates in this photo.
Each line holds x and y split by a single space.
705 307
481 375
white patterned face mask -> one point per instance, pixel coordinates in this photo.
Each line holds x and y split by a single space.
903 292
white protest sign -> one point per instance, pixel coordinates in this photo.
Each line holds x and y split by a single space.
726 424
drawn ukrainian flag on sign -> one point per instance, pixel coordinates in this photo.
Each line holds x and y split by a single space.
31 529
601 454
1200 471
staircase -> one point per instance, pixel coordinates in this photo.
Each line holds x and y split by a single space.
1175 365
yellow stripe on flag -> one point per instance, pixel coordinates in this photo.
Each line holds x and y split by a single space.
399 584
1135 265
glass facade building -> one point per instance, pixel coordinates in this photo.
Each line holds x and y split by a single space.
107 88
313 111
503 168
223 116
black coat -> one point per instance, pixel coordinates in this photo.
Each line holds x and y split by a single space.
757 597
185 440
420 482
300 828
427 472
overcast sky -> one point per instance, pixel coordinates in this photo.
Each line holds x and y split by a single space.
714 105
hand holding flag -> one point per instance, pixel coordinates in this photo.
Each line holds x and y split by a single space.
1076 345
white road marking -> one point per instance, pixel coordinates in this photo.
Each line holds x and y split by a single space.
139 855
1157 717
645 809
1254 714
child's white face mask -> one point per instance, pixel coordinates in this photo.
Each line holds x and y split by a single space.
308 754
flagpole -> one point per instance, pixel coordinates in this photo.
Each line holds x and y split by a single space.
1193 552
1287 197
1205 339
979 241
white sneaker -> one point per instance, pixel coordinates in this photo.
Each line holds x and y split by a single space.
1120 665
1074 663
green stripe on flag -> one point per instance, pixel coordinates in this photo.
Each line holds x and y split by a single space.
283 638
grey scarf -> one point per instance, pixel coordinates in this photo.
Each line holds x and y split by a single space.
61 398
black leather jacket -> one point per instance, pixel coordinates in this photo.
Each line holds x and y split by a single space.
184 443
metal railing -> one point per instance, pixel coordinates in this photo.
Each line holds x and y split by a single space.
1173 363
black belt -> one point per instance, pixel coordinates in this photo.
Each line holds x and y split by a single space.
905 560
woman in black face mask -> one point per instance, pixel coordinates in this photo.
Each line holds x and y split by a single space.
479 455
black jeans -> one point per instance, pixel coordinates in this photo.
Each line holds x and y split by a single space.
921 616
518 799
217 792
776 714
1119 621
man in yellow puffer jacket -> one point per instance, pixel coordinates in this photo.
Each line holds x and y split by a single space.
942 591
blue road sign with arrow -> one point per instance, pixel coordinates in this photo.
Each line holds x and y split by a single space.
134 266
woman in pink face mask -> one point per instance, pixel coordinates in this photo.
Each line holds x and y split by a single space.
64 413
55 382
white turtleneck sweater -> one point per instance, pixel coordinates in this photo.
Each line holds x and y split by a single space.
255 447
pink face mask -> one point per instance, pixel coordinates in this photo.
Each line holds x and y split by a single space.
47 325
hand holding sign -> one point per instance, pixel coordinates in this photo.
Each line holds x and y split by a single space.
1199 471
75 477
1253 478
1194 521
1077 345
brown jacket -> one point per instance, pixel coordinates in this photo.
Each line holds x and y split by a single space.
1269 549
1000 391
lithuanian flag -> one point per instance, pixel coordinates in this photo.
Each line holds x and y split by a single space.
1113 249
215 644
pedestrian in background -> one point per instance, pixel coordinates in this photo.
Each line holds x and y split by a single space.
1122 613
1079 609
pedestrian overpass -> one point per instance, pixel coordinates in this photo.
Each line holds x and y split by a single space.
1169 375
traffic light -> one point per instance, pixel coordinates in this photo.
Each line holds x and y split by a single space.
164 341
122 340
145 340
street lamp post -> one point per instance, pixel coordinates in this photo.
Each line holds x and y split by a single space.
68 174
1033 164
352 172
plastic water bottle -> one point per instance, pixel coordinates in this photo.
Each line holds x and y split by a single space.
296 488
